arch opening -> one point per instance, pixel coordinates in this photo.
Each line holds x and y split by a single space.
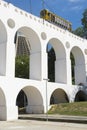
29 100
80 96
59 96
28 54
56 60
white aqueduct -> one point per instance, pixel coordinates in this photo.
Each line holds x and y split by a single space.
38 90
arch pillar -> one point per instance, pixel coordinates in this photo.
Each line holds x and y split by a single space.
79 68
3 58
60 70
8 109
44 65
3 113
34 103
80 74
2 105
3 41
11 108
68 64
34 109
35 65
10 55
85 68
12 112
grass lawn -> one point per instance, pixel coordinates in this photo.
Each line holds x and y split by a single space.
76 108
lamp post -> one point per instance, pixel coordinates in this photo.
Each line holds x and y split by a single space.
46 99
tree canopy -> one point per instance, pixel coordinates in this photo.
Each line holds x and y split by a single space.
51 64
22 66
82 31
84 23
79 31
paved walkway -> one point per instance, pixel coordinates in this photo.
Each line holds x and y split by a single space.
40 125
56 118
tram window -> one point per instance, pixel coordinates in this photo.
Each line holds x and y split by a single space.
43 13
52 18
48 14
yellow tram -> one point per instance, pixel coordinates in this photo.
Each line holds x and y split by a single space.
57 20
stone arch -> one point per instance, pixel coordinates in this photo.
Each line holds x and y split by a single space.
3 113
3 41
79 68
80 96
34 100
59 96
34 46
60 60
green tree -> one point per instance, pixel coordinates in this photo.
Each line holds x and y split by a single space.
82 31
79 31
51 65
22 66
84 22
72 67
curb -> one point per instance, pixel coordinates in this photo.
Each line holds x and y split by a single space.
56 119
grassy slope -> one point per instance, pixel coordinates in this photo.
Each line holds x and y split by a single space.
77 108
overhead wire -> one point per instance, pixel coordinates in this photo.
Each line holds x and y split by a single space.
44 3
30 6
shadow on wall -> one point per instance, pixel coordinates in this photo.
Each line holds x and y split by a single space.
59 96
81 96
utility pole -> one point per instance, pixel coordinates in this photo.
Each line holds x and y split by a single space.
9 1
42 4
30 7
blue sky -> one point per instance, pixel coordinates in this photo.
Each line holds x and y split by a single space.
69 9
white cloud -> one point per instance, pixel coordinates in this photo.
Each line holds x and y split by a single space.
74 1
76 8
77 4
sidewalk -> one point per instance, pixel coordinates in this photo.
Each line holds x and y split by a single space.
56 118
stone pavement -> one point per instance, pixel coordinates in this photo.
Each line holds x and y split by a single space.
56 118
40 125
